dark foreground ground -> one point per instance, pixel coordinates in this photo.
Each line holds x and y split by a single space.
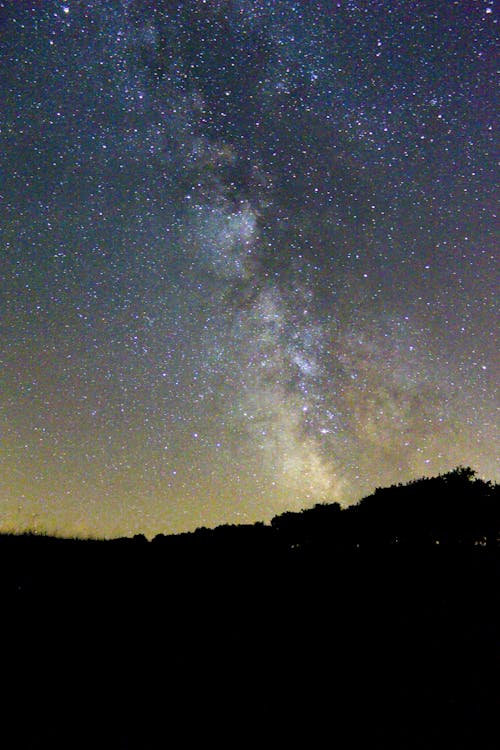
137 645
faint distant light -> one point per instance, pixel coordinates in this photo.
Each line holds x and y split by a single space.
66 9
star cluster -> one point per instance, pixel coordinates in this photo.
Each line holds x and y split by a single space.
248 256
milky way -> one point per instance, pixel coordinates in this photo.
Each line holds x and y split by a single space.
248 257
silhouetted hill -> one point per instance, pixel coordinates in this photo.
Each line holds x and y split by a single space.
372 626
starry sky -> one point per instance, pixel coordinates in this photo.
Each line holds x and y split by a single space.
248 256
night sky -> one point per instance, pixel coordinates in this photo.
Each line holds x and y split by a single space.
248 256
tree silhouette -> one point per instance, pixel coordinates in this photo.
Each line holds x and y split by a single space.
452 508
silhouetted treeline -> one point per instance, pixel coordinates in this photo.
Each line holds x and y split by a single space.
371 626
452 508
